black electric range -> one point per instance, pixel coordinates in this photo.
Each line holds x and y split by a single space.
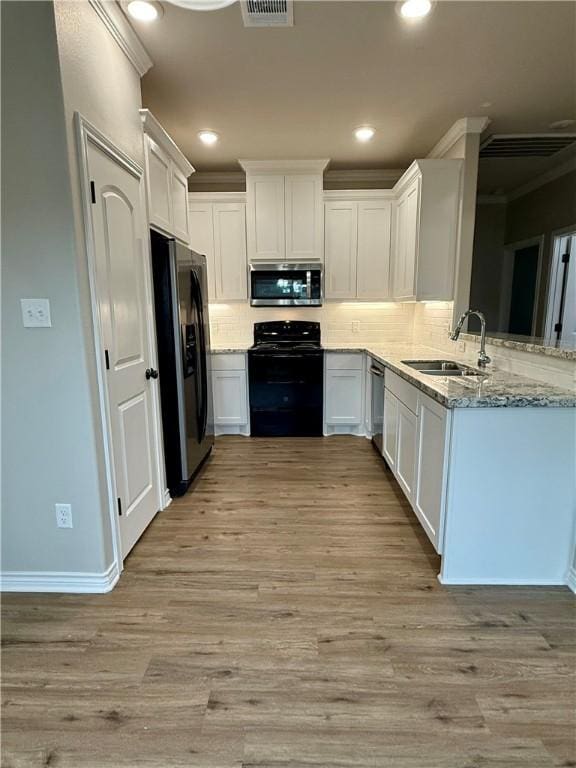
286 379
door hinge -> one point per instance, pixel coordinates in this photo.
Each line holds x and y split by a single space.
558 328
565 258
107 358
120 506
93 193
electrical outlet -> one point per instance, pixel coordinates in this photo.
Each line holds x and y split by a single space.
36 313
355 326
64 515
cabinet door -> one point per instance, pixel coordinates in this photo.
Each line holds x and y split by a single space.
231 280
406 450
390 429
159 186
341 227
405 243
202 239
180 205
430 482
265 218
230 401
304 220
373 260
343 400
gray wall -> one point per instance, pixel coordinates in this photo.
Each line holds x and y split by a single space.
49 441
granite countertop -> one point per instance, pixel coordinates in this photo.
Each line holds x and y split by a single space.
493 389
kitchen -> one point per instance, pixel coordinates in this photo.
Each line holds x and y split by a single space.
303 472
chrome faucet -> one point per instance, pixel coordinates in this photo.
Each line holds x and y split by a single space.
483 358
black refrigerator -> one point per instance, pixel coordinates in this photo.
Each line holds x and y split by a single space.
183 335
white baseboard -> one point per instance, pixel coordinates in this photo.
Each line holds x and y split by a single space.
571 578
54 581
479 582
167 499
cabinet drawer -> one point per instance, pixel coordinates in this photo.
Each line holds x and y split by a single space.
228 362
344 361
405 392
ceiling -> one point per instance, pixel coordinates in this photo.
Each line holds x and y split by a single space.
299 92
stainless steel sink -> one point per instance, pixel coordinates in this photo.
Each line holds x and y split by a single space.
442 368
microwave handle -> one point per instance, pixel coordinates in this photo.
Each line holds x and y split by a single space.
308 284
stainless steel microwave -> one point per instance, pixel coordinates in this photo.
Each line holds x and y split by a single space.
286 285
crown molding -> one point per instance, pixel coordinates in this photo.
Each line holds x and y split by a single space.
119 27
284 166
155 130
462 127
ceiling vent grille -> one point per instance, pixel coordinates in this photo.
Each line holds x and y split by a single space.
267 13
526 145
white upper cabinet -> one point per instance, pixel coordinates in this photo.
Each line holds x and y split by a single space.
303 217
284 210
167 172
230 251
266 235
341 223
218 230
425 230
357 247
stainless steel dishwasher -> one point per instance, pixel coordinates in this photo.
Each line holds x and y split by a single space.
377 404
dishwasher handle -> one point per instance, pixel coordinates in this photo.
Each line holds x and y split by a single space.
377 372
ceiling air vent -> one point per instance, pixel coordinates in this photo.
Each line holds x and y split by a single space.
526 144
267 13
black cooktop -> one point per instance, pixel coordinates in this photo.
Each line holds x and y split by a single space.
282 336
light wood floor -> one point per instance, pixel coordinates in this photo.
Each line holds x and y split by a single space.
287 614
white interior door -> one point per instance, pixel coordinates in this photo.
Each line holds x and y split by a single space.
121 276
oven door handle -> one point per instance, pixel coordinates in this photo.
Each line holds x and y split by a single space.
376 372
308 284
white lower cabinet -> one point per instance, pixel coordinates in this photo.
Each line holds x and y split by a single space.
415 446
431 458
230 394
406 450
344 394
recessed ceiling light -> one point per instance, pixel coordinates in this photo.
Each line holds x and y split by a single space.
141 10
364 133
208 137
559 125
415 9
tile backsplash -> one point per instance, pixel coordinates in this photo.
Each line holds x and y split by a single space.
353 322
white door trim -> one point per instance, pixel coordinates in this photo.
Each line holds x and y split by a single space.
87 134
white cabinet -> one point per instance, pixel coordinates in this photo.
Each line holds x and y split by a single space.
230 394
265 218
167 172
357 248
406 450
373 257
284 214
218 230
303 217
341 226
425 230
431 458
415 446
390 429
344 394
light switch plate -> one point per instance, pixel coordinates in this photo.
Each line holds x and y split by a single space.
36 313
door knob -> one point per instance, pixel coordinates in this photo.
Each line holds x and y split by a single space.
151 373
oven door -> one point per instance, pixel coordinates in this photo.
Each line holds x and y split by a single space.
285 285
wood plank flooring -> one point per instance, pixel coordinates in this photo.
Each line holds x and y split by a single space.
286 614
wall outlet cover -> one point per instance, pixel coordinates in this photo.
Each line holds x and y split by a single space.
63 515
36 313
